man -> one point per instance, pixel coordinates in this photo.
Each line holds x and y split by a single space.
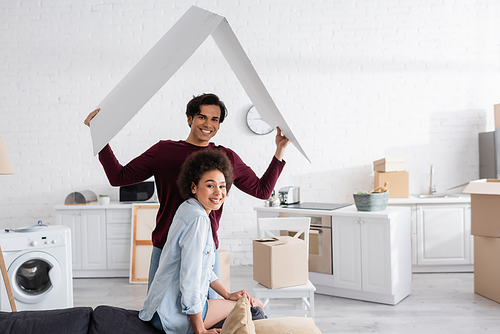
163 160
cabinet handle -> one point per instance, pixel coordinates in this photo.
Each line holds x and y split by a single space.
360 222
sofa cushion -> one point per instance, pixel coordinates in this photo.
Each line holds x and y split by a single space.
62 321
257 314
239 320
112 320
295 325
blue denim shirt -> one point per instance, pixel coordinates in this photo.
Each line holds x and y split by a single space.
180 286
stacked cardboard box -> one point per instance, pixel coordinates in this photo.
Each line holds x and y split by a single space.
280 262
393 171
485 220
225 269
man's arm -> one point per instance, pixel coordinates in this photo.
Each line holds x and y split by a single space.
134 172
245 178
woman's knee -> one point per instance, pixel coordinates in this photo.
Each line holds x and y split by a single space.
257 302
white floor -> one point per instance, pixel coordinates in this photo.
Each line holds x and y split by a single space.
439 303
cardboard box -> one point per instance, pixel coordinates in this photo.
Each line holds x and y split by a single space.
390 165
487 267
496 110
485 226
485 207
314 241
225 269
280 262
398 183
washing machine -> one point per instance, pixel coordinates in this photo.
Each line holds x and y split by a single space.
38 262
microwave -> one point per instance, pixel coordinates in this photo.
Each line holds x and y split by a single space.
140 192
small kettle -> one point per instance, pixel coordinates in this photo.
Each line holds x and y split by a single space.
273 201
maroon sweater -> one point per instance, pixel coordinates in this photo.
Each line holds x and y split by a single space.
164 160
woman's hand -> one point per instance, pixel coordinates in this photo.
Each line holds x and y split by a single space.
236 295
90 116
198 325
211 331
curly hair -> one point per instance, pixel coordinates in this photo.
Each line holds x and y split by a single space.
200 162
193 106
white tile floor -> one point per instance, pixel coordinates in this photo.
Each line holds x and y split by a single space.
439 303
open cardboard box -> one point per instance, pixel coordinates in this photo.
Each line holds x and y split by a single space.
485 207
280 262
485 226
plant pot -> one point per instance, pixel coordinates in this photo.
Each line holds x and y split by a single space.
104 200
371 202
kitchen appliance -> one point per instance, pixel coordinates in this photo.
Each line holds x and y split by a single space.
140 192
489 155
289 195
39 266
320 243
81 197
320 234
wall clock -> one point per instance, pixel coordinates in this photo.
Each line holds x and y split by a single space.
256 124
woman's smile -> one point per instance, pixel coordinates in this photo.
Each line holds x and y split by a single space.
210 190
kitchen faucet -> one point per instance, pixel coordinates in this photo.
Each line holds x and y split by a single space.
432 189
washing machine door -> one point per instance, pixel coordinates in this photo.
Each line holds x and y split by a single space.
33 276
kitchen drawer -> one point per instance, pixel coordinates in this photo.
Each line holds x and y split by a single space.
118 231
119 216
118 254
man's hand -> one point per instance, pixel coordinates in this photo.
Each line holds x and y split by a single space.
281 143
90 116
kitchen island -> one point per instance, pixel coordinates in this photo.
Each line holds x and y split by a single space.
370 251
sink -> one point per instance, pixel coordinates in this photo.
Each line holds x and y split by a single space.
439 196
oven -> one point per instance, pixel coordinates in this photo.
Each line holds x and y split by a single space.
320 242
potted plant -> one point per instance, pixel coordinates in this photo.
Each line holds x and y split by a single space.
104 199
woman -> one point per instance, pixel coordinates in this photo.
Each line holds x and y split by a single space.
177 298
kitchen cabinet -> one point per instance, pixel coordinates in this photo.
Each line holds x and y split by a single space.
100 238
371 253
362 254
118 230
441 237
88 237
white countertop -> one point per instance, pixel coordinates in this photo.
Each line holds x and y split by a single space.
345 211
96 206
464 198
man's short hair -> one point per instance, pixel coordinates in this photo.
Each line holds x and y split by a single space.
193 106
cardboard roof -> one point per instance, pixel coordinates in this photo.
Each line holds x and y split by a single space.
161 63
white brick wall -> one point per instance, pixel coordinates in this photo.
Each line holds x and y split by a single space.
357 80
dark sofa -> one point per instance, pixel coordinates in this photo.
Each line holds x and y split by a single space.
84 320
77 320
